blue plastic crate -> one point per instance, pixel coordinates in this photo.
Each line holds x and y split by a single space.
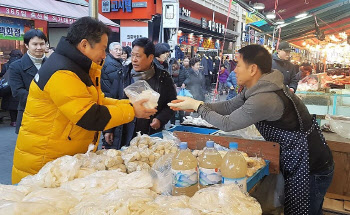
254 179
185 128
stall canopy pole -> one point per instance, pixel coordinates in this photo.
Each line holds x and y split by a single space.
93 8
222 50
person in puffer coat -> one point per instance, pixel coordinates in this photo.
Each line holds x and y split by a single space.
112 68
66 109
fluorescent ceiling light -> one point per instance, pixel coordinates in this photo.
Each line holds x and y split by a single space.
259 6
301 15
279 22
270 15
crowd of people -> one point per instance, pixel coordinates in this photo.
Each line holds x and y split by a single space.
67 99
196 77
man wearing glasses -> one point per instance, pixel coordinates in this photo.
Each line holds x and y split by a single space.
280 61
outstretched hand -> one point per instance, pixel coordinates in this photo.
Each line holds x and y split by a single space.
141 111
185 103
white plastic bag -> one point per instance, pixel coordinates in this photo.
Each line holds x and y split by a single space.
340 125
142 90
225 199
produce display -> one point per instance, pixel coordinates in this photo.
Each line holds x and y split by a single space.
117 182
145 150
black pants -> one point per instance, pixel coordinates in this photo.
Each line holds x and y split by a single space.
13 115
207 83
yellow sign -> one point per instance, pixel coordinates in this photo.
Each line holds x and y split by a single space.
250 17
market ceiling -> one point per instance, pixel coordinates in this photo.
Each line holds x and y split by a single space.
332 17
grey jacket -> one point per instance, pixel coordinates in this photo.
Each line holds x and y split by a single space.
250 106
288 70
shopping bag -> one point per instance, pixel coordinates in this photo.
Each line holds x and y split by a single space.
184 92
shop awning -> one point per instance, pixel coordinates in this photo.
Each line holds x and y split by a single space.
48 10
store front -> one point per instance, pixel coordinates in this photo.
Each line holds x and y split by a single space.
137 18
198 33
11 35
17 17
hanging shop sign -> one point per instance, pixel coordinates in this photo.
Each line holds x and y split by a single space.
13 29
204 23
129 34
251 17
192 40
185 12
212 26
108 6
35 15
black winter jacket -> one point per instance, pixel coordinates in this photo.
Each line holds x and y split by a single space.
162 83
288 70
22 72
183 75
8 101
111 70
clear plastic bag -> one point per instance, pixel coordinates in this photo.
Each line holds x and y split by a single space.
340 125
161 174
142 90
225 199
167 135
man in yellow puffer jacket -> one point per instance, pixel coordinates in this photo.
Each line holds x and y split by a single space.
66 108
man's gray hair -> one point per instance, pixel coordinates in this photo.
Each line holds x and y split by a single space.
111 46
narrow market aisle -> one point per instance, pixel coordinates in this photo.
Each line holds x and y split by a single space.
8 143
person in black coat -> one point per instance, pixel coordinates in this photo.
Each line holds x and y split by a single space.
161 56
184 70
9 102
280 61
22 71
112 68
216 69
195 82
142 67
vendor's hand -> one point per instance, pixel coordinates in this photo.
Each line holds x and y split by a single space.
177 109
155 124
109 138
292 90
183 86
141 111
185 103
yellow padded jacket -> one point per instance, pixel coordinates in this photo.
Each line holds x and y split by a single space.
65 110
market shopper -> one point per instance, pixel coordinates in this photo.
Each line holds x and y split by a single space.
280 62
161 55
22 71
112 68
184 70
195 82
142 67
223 75
126 56
280 116
232 85
9 102
66 108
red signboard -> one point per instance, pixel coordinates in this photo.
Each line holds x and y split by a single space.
35 15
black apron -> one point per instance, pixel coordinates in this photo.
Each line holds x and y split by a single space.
294 161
